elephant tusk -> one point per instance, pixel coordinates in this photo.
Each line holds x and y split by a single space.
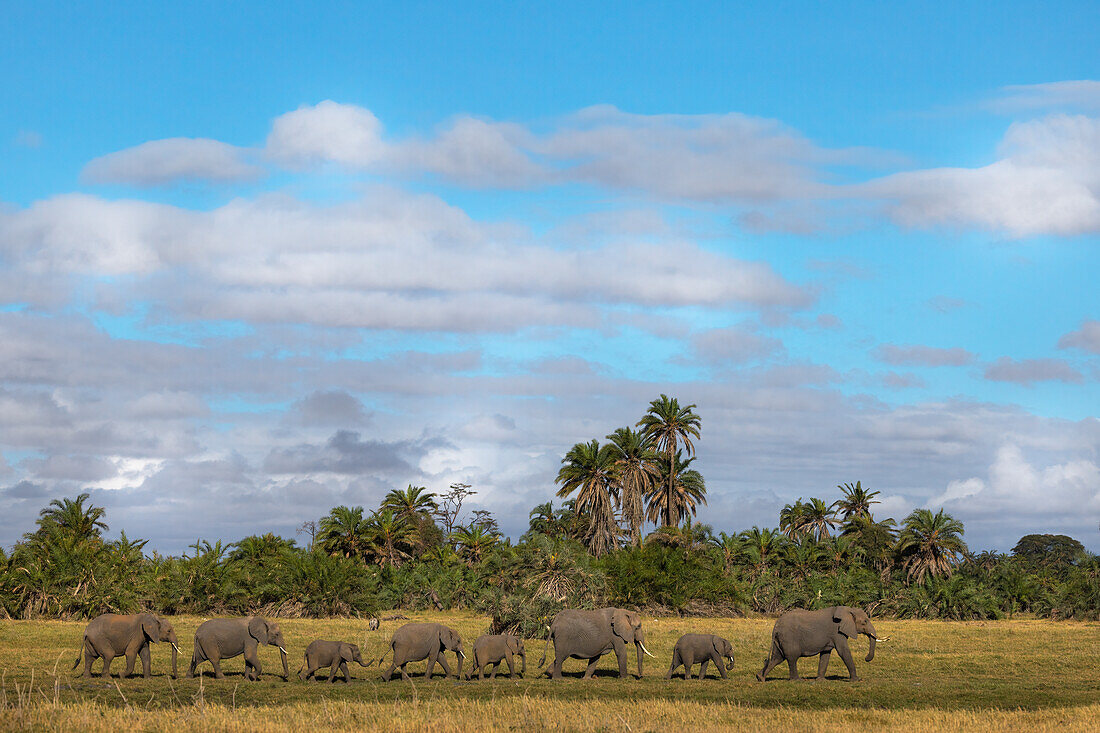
177 649
644 649
282 650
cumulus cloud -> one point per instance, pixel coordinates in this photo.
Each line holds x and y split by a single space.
1047 181
326 132
1086 338
734 345
161 162
1029 371
344 453
328 408
918 355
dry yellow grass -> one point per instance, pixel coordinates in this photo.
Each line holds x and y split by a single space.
1012 675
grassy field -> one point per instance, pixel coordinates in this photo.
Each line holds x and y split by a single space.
1008 675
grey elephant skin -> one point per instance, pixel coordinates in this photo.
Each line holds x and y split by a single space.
799 633
579 634
414 642
113 635
494 649
701 649
332 654
224 638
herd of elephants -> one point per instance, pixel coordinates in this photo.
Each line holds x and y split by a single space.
576 634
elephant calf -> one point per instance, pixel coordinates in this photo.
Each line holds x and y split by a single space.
223 638
494 649
113 635
799 633
413 642
332 654
702 649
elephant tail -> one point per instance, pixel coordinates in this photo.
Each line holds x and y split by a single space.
80 652
546 649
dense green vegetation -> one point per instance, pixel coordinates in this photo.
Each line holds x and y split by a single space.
419 551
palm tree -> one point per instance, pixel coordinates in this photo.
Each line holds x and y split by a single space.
820 518
73 518
792 519
541 519
762 545
875 538
475 542
589 470
413 501
857 501
636 471
666 425
731 548
841 551
343 531
931 544
677 495
389 538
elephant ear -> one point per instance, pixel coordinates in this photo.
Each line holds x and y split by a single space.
513 644
347 652
843 616
150 626
620 624
257 629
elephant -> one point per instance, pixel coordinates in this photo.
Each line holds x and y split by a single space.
332 654
222 638
589 635
801 633
413 642
111 635
493 649
702 649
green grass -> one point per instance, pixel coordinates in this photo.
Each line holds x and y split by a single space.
947 675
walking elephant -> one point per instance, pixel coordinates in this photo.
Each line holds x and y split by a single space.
701 649
113 635
589 635
223 638
494 649
799 633
332 654
413 642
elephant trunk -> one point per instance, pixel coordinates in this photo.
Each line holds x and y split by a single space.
523 670
175 653
286 671
874 638
461 659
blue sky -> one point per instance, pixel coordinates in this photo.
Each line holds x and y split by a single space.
862 239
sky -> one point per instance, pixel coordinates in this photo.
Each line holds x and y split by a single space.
258 259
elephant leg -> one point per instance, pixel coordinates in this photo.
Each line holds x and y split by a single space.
511 667
675 663
146 665
216 663
131 660
310 673
332 670
389 672
108 657
769 665
432 658
344 671
823 664
846 655
555 671
703 667
721 665
792 664
446 667
620 653
195 661
591 668
404 673
493 674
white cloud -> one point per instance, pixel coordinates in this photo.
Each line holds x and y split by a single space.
326 132
162 162
1028 371
1086 338
1077 94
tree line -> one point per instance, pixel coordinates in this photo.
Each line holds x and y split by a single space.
419 549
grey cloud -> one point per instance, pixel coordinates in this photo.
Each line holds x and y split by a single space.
1086 338
923 355
343 453
734 345
329 408
946 304
894 380
162 162
1029 371
77 468
25 490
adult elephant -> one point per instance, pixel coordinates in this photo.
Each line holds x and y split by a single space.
223 638
113 635
413 642
800 633
589 635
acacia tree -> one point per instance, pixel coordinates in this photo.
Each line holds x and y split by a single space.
930 544
666 424
589 470
636 472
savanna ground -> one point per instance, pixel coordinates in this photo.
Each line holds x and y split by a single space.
966 676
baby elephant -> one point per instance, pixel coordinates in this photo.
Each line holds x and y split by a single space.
413 642
494 649
332 654
701 649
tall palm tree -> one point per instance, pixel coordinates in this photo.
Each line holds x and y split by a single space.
762 545
930 544
541 518
677 494
475 543
412 501
856 502
792 519
343 531
731 547
589 470
636 470
876 538
73 518
820 518
666 424
389 538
